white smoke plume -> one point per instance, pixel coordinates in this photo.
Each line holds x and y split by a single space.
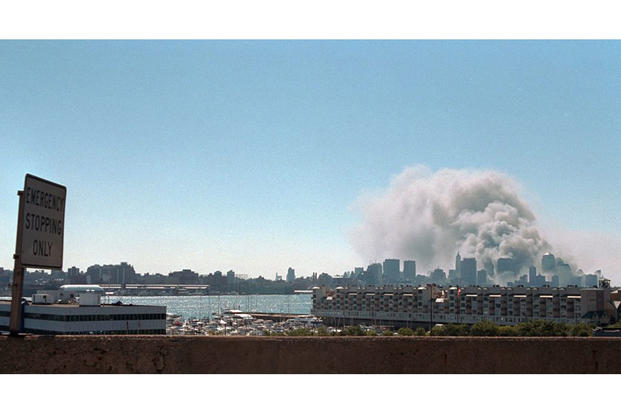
430 216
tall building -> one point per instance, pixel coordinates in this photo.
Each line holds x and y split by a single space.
290 275
540 280
458 266
58 274
230 277
409 270
126 273
122 274
548 263
469 271
532 275
564 274
590 281
184 277
373 274
73 274
438 276
93 275
482 277
392 273
555 281
452 278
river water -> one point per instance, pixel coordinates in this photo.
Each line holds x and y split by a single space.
205 306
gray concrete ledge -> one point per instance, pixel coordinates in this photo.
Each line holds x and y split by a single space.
192 354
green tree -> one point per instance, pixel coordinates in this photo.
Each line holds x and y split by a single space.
543 328
420 331
581 329
561 329
508 331
456 329
355 330
438 330
530 328
549 328
484 328
405 332
387 332
323 331
300 332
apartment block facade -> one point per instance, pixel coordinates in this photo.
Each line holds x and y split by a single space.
501 305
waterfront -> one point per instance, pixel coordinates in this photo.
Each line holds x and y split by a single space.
205 306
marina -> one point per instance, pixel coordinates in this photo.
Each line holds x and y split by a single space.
234 322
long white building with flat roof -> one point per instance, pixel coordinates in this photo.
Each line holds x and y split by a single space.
77 309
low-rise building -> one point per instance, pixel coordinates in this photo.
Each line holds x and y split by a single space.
78 310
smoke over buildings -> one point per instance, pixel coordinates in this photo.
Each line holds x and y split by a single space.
429 216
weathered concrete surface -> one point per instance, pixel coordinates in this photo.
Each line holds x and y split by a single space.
191 354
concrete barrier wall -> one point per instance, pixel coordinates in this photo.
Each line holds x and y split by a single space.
192 354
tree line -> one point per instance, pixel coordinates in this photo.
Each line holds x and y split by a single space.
483 328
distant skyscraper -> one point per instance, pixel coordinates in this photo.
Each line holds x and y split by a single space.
451 276
438 276
409 270
564 273
392 273
590 280
548 263
185 277
482 277
469 271
540 280
230 277
57 274
374 274
532 275
555 281
458 266
290 275
73 273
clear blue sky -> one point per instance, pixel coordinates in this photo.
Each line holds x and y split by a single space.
248 154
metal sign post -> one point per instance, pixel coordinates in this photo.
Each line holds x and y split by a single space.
18 275
40 234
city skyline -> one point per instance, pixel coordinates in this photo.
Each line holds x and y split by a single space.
551 271
255 156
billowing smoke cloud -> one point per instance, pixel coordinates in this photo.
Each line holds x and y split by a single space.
430 216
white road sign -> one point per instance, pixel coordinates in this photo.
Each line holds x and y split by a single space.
43 223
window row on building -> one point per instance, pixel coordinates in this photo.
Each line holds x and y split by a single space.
107 332
96 317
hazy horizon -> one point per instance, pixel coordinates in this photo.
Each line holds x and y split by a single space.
257 156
